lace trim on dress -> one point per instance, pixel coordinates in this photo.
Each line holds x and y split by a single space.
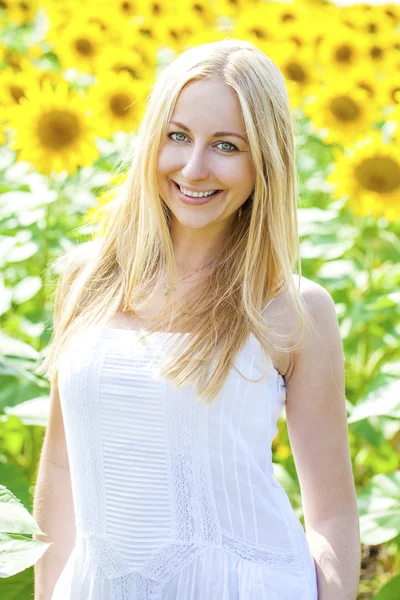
259 553
194 513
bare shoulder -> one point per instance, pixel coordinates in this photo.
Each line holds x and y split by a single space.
285 321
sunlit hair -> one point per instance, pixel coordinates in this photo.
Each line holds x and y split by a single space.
116 273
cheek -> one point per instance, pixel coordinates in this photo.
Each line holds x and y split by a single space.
166 160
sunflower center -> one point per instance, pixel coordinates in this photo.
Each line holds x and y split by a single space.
258 33
285 17
17 93
344 108
120 104
379 174
395 95
84 47
296 72
58 129
376 52
156 9
127 8
344 53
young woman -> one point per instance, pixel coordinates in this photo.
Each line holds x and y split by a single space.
179 336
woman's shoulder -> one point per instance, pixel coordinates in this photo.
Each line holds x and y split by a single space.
283 318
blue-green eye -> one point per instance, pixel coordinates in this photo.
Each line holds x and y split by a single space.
232 146
176 133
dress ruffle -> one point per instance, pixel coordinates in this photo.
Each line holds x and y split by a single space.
214 574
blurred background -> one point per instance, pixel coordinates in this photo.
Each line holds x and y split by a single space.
74 79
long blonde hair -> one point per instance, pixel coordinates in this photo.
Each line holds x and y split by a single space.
261 251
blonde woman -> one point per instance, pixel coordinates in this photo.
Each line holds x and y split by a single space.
179 337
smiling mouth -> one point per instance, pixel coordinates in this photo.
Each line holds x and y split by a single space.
179 188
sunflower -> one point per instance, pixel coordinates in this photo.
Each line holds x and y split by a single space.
370 22
344 51
368 173
389 89
145 29
133 61
14 84
96 12
380 49
127 8
296 23
156 10
12 88
342 111
201 10
15 58
391 12
54 129
108 20
79 46
119 102
297 67
259 27
177 33
19 12
364 78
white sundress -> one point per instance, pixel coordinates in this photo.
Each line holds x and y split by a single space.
175 499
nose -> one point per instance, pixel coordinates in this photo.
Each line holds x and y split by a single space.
196 165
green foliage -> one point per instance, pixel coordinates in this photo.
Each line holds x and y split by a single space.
356 259
17 550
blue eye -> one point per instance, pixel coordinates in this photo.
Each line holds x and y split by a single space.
233 147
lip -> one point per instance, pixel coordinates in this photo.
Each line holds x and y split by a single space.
194 201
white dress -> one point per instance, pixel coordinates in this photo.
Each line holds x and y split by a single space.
175 499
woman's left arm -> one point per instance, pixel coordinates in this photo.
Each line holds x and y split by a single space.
335 546
318 434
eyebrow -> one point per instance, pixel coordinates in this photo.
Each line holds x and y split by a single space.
216 134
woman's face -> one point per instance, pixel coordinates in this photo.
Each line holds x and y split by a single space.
200 159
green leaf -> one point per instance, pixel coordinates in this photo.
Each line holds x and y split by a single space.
390 591
381 402
20 253
12 347
31 412
19 586
5 298
379 509
17 553
14 518
14 479
27 289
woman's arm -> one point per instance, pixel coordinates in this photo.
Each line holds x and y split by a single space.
318 433
53 505
335 547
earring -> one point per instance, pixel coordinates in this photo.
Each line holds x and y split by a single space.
240 212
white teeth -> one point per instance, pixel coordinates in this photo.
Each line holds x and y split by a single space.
196 194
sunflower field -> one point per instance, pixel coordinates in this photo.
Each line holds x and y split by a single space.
74 79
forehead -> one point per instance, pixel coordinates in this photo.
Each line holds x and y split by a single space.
209 104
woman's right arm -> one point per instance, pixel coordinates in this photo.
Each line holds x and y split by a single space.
53 504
